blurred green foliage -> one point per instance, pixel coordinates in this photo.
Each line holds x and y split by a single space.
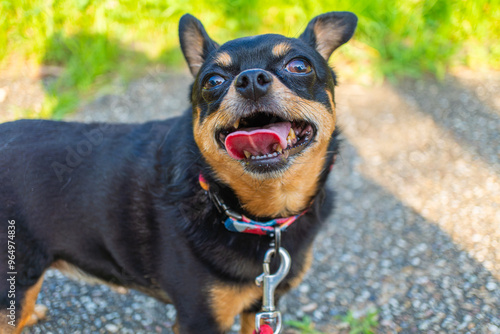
95 41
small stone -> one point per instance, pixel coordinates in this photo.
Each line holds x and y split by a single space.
424 325
304 288
491 286
120 290
111 327
318 315
416 303
401 243
394 302
493 329
386 263
309 307
422 280
421 247
415 261
330 296
441 263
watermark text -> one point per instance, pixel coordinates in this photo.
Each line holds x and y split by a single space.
11 272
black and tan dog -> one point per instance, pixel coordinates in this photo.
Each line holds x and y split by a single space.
123 203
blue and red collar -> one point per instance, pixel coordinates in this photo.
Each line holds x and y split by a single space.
236 222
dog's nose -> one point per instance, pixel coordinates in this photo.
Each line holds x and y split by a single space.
254 83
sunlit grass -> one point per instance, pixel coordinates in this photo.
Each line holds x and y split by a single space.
95 42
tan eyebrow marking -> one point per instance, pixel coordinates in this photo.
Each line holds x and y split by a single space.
279 50
224 59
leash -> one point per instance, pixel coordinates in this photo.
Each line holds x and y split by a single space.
269 319
269 316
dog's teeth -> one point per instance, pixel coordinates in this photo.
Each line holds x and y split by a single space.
277 148
292 138
237 123
253 157
275 154
247 154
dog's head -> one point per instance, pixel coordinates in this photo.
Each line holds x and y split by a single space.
263 106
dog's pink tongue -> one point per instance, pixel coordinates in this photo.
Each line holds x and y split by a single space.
257 141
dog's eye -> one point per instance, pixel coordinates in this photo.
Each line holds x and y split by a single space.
214 81
300 66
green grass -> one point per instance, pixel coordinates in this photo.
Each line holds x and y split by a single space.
363 325
98 41
89 60
366 324
305 326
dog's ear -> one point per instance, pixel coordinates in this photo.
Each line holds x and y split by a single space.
195 43
328 31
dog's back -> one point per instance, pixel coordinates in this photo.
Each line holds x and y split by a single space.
53 174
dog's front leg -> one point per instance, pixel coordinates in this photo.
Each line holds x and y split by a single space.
196 324
200 319
214 312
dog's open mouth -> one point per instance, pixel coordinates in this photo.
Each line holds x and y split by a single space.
265 139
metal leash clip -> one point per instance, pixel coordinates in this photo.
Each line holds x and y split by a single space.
269 282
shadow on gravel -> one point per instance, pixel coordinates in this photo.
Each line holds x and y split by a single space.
459 110
378 252
420 161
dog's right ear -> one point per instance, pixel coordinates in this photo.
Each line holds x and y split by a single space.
195 42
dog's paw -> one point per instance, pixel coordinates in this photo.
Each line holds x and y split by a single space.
39 313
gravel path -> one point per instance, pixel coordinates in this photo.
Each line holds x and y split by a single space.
416 233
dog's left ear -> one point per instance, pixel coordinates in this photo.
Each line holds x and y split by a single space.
328 31
195 42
